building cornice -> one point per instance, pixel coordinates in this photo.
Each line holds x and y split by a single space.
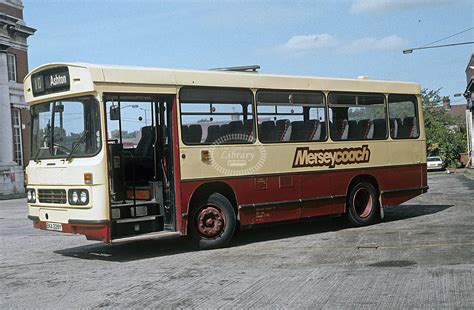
14 25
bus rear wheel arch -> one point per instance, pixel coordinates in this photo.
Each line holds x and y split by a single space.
363 204
213 222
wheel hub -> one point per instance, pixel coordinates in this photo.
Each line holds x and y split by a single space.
210 222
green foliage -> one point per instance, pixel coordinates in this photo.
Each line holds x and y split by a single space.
445 137
115 134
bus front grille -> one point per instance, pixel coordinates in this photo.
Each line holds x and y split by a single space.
52 196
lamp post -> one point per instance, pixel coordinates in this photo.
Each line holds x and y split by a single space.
410 50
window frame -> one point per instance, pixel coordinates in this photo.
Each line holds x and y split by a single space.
385 103
93 100
299 91
417 115
11 61
17 137
210 88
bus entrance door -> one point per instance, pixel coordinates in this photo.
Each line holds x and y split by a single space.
164 161
140 187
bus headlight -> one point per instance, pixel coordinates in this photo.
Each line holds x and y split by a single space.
75 197
78 197
83 198
31 195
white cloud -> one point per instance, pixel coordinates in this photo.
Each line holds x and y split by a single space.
387 44
305 44
383 6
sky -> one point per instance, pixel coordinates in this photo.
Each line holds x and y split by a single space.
338 38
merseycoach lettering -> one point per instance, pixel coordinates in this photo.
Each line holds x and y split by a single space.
304 157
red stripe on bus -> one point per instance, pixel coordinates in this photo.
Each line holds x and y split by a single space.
265 190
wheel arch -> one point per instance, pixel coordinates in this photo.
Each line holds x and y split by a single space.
206 189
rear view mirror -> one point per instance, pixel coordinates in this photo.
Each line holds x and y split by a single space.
114 113
59 108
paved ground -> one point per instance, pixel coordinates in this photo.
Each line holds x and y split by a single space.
421 256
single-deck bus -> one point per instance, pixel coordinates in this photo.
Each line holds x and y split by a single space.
122 152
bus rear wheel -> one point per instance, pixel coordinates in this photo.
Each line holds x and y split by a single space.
362 205
213 222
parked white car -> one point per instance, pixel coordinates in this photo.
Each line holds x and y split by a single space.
434 163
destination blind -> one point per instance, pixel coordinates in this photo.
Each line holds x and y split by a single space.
50 81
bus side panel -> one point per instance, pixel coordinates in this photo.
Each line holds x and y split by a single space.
323 185
401 183
319 193
255 190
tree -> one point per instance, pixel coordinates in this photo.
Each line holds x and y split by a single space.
445 137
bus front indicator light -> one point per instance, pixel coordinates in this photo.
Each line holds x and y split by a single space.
88 178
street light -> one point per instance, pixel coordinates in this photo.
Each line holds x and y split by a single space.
410 50
144 110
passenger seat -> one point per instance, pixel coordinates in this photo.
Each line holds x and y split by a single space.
394 127
236 130
380 128
283 129
408 128
339 130
267 131
212 134
298 131
248 129
313 129
195 134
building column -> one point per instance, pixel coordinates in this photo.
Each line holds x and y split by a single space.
6 134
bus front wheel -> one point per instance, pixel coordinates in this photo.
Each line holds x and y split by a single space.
213 222
362 205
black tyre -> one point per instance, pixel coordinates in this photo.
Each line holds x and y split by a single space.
213 222
362 205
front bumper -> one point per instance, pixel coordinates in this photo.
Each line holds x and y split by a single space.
93 230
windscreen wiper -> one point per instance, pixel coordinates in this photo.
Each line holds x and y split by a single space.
81 140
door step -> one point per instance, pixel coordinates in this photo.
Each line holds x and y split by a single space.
133 226
137 219
153 235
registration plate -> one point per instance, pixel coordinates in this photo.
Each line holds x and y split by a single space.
54 226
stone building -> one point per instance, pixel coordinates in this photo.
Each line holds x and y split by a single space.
14 114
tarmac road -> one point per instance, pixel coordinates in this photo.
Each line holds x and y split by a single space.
421 255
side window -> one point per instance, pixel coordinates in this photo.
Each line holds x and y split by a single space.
403 116
357 116
285 116
216 115
130 121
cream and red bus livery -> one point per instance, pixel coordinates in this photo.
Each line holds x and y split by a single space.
124 152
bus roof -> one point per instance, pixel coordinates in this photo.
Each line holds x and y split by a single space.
112 74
